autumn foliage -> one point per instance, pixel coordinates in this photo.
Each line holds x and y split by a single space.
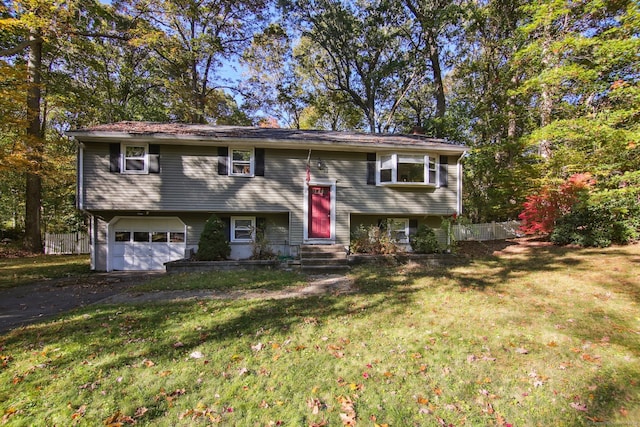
542 210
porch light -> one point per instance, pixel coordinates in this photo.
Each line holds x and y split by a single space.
321 164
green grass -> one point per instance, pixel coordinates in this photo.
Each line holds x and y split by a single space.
545 337
267 280
24 270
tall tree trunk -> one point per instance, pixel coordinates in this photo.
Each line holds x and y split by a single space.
546 98
441 106
512 125
33 199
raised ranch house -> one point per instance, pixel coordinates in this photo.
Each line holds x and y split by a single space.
150 187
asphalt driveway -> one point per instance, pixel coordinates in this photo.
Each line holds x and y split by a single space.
30 303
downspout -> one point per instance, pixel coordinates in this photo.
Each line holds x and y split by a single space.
80 178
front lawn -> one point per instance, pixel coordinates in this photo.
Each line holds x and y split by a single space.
22 270
538 336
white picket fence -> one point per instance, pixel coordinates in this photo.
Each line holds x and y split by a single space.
66 243
487 231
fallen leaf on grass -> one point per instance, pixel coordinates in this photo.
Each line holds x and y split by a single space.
257 347
422 400
140 412
118 419
8 413
348 414
521 350
578 406
315 405
79 413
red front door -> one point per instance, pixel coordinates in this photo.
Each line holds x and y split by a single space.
319 212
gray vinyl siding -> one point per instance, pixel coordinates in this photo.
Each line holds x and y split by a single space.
188 186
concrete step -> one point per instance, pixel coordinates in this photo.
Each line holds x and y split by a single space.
321 249
324 261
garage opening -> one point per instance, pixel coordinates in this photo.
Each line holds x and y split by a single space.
145 243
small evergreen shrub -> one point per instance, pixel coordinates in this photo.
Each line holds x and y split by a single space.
424 241
213 244
584 226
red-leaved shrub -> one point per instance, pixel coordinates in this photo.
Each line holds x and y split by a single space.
542 210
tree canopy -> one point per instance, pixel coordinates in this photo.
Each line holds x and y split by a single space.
539 91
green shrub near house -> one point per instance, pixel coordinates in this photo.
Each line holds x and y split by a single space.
213 244
424 241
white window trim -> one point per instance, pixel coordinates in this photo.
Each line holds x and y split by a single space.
394 170
252 161
123 158
406 228
233 228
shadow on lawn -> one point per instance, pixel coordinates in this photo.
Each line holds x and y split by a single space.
149 331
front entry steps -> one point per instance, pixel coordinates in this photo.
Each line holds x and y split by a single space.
323 259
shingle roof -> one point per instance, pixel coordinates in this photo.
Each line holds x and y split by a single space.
182 131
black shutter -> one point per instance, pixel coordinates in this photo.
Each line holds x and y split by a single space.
223 160
444 171
227 227
154 158
114 157
261 227
413 226
371 168
259 165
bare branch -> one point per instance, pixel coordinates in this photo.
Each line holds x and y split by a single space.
16 49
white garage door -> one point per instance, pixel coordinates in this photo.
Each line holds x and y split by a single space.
146 243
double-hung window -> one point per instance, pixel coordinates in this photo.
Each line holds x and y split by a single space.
398 229
407 169
243 228
135 158
242 161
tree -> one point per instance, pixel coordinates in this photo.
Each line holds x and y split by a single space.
500 169
273 88
435 18
362 52
581 67
191 39
29 31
